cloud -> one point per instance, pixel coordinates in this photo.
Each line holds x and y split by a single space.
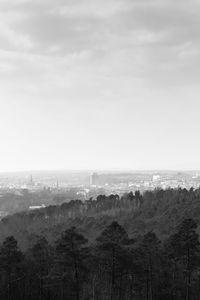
155 40
103 72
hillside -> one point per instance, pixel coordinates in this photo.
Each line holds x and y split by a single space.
159 211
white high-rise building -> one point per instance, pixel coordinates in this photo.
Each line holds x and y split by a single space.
94 179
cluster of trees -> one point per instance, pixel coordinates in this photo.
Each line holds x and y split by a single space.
12 202
20 200
113 267
158 210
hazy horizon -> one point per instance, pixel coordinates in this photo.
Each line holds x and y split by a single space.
100 171
99 84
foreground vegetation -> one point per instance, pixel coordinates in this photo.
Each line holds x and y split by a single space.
133 247
114 267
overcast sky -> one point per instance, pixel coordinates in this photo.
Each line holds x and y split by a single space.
99 84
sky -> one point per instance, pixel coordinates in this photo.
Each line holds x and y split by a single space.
99 84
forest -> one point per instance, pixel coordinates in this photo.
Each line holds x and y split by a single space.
113 267
134 247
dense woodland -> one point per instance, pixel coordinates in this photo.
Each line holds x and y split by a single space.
160 211
138 246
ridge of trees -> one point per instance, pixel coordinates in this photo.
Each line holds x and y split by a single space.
114 266
158 210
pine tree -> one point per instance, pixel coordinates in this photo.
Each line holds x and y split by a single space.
185 247
71 253
150 248
10 259
112 254
40 259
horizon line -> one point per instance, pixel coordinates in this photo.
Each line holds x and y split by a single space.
115 170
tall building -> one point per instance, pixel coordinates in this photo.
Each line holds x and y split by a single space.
31 181
94 179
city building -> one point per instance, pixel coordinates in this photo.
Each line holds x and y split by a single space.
156 177
94 179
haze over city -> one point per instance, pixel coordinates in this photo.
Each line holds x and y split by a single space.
99 85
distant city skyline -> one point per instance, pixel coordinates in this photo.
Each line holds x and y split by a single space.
99 85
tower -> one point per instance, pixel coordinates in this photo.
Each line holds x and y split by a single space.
94 178
57 184
31 182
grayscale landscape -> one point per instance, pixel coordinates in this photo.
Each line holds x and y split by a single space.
99 150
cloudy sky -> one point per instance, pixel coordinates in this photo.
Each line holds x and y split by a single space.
99 84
